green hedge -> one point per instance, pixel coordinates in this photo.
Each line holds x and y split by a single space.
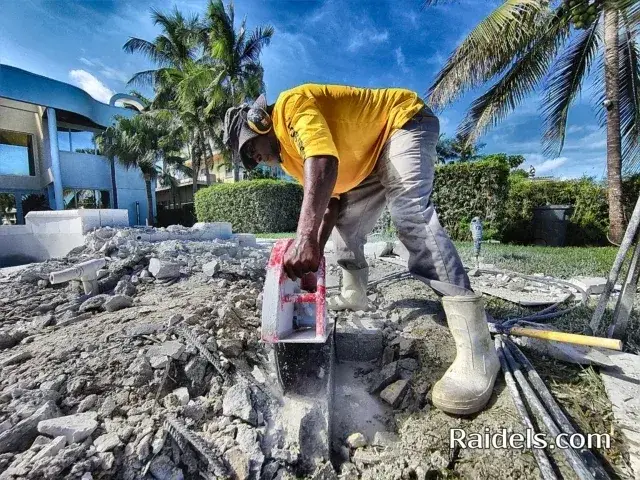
253 206
588 222
465 190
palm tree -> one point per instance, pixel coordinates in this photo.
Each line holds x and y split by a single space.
175 46
231 72
457 149
143 141
525 44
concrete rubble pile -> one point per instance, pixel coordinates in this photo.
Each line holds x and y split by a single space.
161 375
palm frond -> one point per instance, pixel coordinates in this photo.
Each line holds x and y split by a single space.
148 49
524 76
489 49
629 97
564 83
260 38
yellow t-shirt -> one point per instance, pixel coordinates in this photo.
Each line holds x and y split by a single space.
351 124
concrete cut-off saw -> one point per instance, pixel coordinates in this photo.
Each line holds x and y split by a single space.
294 321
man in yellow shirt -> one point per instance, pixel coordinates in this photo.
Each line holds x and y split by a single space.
355 150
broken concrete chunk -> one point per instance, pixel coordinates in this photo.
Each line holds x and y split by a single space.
162 468
20 436
171 348
195 370
74 427
174 319
591 285
6 425
230 347
106 442
107 459
42 321
356 440
162 269
117 302
388 355
107 407
16 358
93 303
87 404
10 339
238 463
51 449
407 347
125 288
379 380
385 439
237 403
182 394
144 329
394 393
158 361
211 268
325 472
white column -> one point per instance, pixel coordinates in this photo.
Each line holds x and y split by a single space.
55 158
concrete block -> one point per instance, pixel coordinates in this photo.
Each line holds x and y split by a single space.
359 339
394 393
74 427
591 285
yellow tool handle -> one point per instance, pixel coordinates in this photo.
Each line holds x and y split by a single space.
574 338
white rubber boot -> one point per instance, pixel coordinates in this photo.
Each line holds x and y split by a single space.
354 291
466 386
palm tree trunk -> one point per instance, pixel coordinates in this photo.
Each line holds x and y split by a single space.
236 164
195 169
147 183
614 142
114 187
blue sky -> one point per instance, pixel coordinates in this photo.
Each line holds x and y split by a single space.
376 43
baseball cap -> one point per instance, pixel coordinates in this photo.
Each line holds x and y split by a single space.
237 132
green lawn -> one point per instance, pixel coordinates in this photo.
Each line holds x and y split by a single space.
276 235
562 262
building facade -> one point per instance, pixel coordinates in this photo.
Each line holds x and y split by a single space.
181 193
48 155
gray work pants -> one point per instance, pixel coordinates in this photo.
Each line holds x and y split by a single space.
403 179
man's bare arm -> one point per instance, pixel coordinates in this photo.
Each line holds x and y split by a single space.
328 222
320 174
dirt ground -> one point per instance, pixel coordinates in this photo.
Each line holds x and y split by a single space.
424 435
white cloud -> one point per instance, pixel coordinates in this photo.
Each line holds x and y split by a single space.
400 60
91 85
114 74
366 36
105 70
549 165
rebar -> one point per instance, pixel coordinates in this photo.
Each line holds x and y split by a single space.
540 456
212 358
534 403
554 409
185 437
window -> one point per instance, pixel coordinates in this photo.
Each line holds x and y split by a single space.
76 198
64 140
16 154
74 140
